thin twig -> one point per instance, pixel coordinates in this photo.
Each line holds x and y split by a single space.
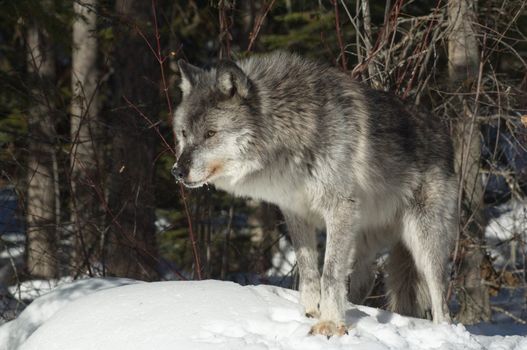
258 25
343 59
508 313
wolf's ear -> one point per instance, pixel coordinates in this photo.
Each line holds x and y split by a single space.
189 74
231 80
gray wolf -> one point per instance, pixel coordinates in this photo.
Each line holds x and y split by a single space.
376 173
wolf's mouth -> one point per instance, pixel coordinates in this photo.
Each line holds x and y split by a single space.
194 184
212 172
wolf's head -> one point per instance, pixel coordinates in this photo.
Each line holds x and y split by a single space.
215 124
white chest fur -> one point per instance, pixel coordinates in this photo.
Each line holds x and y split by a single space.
282 191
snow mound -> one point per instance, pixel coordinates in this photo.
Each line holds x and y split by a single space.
224 315
14 333
32 289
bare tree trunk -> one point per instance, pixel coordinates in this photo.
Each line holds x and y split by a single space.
131 246
41 201
86 161
463 69
366 15
463 50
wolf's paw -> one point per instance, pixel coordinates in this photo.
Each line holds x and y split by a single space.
313 313
329 329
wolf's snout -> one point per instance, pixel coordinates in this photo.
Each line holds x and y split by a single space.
179 172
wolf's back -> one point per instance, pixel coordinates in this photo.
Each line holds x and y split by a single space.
336 122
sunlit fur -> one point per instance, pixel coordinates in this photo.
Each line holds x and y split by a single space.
375 172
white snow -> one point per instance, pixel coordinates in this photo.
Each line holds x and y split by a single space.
506 232
213 315
283 261
32 289
12 252
14 333
511 222
14 237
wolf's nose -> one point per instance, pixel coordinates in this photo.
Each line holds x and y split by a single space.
178 172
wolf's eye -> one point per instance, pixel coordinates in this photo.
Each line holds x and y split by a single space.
184 133
209 134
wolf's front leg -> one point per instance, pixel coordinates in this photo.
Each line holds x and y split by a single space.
333 285
303 236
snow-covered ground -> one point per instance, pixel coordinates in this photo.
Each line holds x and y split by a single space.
32 289
13 334
506 233
125 314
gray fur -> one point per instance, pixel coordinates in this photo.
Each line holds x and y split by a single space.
330 152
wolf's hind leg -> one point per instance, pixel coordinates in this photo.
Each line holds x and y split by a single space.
427 237
303 236
407 291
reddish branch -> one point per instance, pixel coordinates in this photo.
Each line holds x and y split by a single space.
225 35
389 26
258 25
421 48
343 60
